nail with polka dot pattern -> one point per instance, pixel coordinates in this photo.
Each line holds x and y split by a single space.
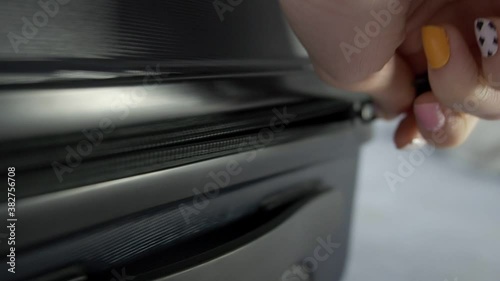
487 37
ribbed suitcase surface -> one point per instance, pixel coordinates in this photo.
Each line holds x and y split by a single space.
128 34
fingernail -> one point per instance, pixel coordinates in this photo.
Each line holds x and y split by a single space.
430 116
415 144
436 46
487 37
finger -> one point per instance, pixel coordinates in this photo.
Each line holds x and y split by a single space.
359 56
441 126
349 40
487 38
407 135
391 88
454 74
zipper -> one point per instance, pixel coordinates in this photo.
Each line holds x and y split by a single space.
54 163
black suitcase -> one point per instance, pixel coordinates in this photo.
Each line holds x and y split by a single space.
170 140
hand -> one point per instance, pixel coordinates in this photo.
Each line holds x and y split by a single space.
380 46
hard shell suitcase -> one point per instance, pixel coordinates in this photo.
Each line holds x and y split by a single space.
170 140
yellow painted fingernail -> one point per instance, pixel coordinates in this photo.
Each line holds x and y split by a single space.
436 46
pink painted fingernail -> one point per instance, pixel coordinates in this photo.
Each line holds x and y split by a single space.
430 116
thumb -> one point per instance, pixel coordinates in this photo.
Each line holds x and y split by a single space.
349 39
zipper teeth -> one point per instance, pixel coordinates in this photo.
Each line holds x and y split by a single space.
165 135
208 132
149 154
140 162
165 157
